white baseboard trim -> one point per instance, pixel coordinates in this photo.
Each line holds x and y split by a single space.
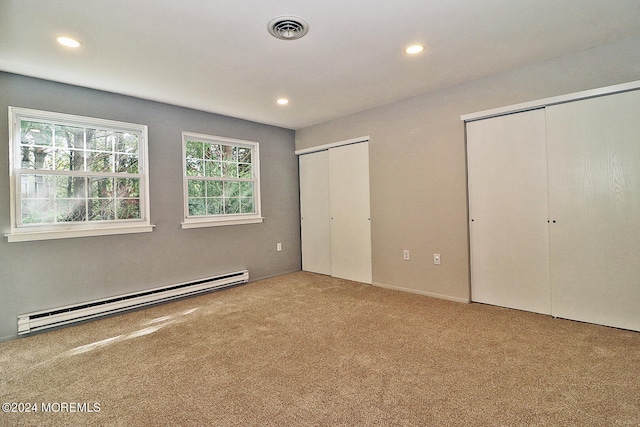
252 279
425 293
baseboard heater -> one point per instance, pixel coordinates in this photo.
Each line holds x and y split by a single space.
47 319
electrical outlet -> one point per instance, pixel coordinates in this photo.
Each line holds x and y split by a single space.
436 259
278 246
405 255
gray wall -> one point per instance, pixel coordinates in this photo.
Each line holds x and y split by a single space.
47 274
418 162
418 188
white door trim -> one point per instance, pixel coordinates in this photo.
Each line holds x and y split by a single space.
332 145
541 103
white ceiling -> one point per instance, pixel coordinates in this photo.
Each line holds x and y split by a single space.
217 56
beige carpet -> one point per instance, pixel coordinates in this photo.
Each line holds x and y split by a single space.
308 350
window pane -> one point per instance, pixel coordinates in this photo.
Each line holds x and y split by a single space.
36 133
69 137
229 153
70 210
214 188
246 205
194 167
213 169
197 206
126 163
128 187
231 189
64 160
214 206
36 186
100 140
128 209
68 160
127 143
38 211
101 187
101 210
244 155
194 150
37 158
212 151
229 170
246 189
244 170
232 206
196 188
70 187
99 161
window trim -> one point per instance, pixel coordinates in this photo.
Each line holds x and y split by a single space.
190 222
34 232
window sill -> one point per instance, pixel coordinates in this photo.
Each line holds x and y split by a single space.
30 236
195 223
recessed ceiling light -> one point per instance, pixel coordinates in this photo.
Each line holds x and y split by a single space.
413 49
282 101
68 42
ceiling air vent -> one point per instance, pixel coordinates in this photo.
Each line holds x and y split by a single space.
288 27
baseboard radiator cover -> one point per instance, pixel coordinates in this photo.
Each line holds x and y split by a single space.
53 318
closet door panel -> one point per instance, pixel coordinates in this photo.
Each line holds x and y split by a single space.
350 212
314 212
508 209
594 192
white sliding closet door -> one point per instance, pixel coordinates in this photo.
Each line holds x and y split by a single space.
314 212
350 212
508 210
594 192
334 207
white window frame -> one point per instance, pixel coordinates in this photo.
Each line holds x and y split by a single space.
32 232
222 219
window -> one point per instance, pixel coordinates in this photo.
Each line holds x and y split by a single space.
75 176
221 181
